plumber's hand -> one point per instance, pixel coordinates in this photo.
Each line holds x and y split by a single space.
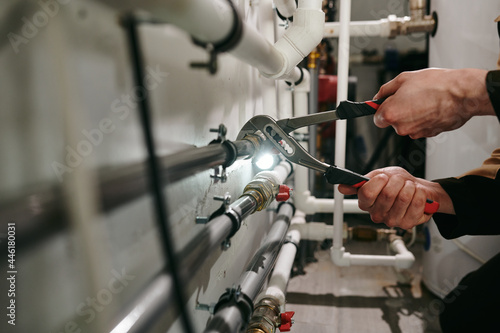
396 198
427 102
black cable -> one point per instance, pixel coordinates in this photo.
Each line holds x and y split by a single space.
131 26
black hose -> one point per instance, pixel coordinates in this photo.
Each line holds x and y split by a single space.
154 168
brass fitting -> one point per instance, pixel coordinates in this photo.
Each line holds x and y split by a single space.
265 317
312 60
263 189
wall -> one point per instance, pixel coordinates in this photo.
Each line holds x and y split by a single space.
68 116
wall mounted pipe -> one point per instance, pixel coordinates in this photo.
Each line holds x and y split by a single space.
39 215
278 281
391 26
235 307
217 22
147 309
299 40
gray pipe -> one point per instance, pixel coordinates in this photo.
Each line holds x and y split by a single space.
234 309
155 300
39 215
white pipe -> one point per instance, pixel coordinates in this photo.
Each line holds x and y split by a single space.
340 125
269 93
212 21
315 231
281 272
286 7
304 201
402 259
279 174
376 28
299 40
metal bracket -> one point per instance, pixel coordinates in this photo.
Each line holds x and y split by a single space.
211 64
219 174
226 201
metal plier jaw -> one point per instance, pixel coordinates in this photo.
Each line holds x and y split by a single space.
282 141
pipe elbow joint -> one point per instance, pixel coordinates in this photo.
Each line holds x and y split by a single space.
305 34
340 257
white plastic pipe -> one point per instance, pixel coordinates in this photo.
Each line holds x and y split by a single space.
286 7
268 86
279 174
340 125
299 40
376 28
304 201
402 259
212 21
315 231
281 272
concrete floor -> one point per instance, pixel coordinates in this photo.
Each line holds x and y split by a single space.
361 299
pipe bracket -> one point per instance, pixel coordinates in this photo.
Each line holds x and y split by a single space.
226 44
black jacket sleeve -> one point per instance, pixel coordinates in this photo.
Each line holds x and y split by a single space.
476 200
475 195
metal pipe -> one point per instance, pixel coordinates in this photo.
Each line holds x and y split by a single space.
146 309
232 312
39 215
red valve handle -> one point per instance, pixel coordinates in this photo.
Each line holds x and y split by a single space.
286 321
284 193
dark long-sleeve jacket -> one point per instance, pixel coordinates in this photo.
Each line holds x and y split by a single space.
475 194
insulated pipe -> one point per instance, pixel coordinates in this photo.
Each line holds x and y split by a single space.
286 8
278 282
234 308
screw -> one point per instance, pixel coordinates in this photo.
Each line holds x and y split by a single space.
226 199
226 244
201 220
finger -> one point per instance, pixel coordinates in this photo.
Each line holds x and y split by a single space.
347 190
368 193
386 199
403 202
415 213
